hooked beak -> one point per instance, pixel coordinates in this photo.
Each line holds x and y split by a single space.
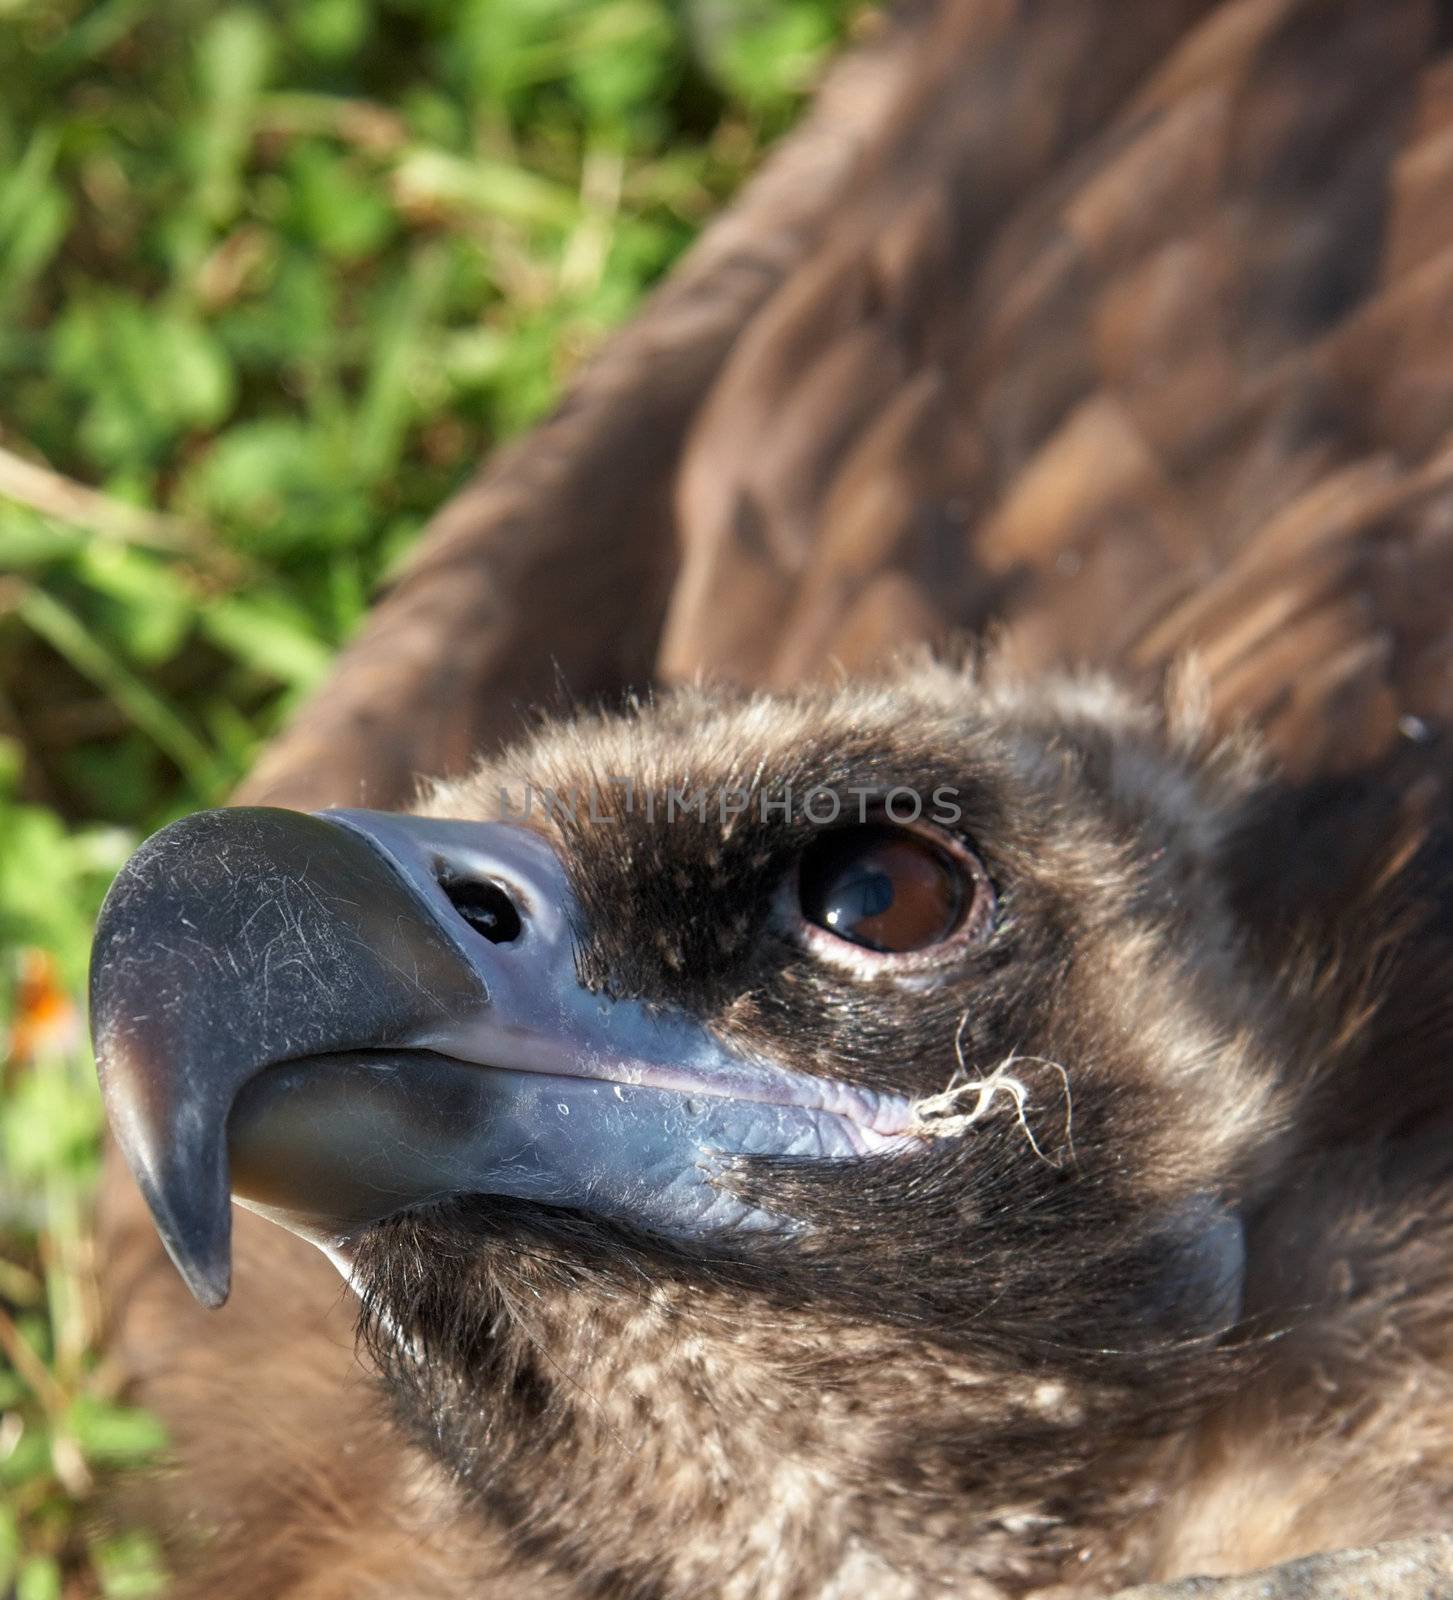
335 1017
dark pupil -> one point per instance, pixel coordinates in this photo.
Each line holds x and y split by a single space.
881 887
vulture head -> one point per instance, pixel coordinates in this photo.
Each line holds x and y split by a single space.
776 1143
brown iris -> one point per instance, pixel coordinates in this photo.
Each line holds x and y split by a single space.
884 888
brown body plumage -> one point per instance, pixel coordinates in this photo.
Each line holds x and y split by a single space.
1123 337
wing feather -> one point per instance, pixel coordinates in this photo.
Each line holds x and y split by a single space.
1182 386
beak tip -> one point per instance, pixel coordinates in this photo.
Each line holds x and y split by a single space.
210 1280
211 1292
199 1241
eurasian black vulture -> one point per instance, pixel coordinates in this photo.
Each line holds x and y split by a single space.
883 1123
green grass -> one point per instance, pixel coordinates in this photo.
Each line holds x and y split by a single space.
272 279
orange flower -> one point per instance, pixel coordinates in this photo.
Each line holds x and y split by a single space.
46 1019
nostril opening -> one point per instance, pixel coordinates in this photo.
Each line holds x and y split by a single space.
485 907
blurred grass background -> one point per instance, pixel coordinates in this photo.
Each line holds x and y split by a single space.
272 280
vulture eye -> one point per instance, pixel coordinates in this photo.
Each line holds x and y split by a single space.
891 889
